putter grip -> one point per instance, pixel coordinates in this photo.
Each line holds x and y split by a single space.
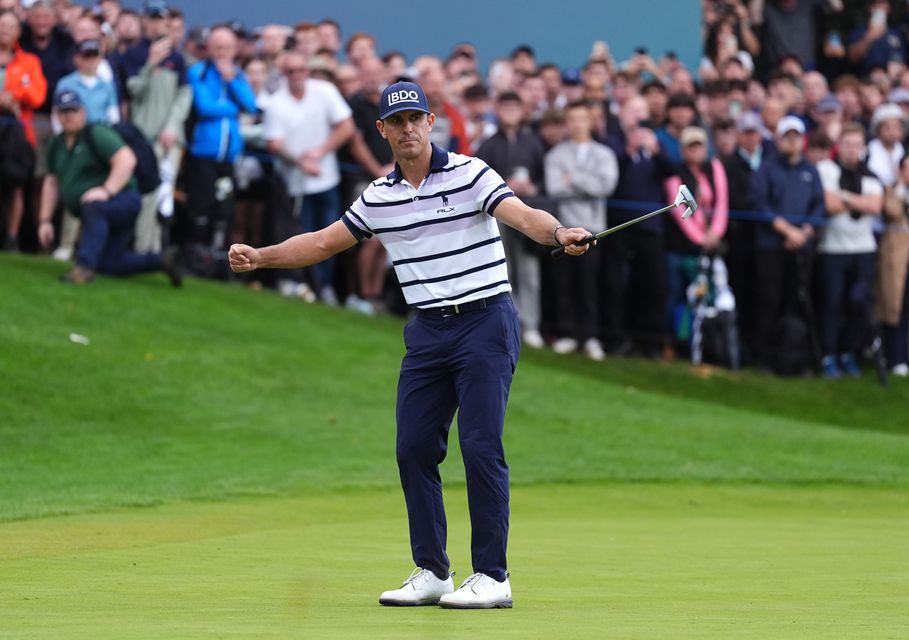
558 252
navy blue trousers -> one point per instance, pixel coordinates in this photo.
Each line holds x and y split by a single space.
107 231
462 363
848 283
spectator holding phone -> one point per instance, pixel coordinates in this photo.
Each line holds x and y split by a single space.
876 44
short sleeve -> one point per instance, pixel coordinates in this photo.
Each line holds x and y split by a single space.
356 218
830 175
272 124
490 188
107 141
871 186
338 108
51 151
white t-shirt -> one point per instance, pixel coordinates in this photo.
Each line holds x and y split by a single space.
305 124
885 164
843 233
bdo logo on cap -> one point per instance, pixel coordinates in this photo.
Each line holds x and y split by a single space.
402 96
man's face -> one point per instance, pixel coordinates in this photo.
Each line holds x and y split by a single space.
329 37
533 90
72 120
87 61
155 27
749 140
509 113
407 133
176 29
891 131
222 45
372 75
86 29
579 121
851 148
129 29
361 49
681 116
553 81
595 76
790 144
41 20
296 71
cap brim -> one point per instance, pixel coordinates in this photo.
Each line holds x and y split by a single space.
408 107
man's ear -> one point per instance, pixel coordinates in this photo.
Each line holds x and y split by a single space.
381 127
430 120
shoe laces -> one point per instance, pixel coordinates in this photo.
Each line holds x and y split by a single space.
418 576
473 580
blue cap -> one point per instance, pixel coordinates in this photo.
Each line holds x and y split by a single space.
68 100
829 104
571 77
402 96
155 9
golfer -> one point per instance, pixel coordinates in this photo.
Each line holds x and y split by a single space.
434 214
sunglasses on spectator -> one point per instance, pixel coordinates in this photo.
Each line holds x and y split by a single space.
291 70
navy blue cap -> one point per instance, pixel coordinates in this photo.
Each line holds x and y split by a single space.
155 9
402 96
571 77
68 100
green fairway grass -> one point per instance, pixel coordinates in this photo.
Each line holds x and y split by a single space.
626 561
218 462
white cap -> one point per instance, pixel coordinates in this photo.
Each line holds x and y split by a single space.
790 123
888 111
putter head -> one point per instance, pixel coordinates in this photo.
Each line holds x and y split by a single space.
687 198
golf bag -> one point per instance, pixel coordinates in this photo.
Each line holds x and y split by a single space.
714 332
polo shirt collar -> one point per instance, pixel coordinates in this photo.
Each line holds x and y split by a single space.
438 161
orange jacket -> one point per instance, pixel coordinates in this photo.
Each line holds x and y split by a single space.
26 82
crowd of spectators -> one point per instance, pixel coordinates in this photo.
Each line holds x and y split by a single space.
790 133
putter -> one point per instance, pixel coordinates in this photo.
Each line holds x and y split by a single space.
684 197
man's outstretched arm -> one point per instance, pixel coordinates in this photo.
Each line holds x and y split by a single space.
298 251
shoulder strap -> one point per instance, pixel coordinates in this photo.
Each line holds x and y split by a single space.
90 142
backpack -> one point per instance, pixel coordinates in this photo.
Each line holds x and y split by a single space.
791 355
146 171
17 157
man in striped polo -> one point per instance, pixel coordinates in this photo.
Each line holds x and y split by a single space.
436 215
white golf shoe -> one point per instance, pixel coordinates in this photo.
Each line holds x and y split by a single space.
421 588
479 591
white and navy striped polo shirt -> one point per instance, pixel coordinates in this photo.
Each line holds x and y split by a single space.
441 236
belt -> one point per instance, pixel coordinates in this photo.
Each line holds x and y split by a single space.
457 309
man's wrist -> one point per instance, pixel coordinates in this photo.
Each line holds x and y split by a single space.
555 235
110 194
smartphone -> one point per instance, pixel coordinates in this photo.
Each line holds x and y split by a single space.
641 51
879 17
834 39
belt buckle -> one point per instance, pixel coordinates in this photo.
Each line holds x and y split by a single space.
454 311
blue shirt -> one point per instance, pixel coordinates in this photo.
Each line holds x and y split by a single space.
98 99
782 189
889 47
